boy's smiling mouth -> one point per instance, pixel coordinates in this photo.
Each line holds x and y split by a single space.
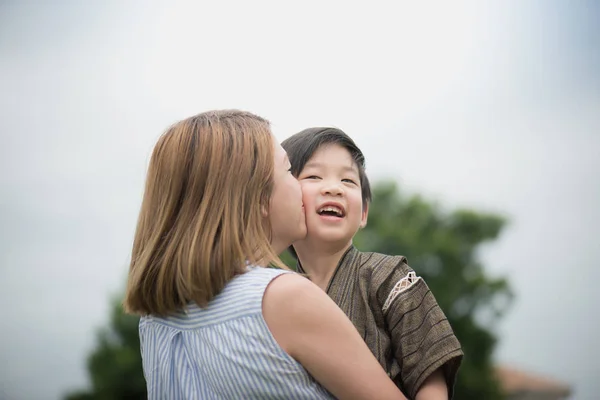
332 209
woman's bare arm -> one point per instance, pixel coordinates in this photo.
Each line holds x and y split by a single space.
310 327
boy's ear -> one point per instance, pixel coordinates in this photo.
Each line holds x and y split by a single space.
364 216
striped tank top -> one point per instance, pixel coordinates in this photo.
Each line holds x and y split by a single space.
223 351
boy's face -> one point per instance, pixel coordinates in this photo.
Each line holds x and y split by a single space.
332 197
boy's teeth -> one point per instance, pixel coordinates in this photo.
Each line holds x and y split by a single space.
331 209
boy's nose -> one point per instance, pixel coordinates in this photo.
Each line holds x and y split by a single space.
333 190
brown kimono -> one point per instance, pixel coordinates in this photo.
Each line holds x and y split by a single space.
412 337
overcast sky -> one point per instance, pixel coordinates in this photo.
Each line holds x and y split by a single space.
494 106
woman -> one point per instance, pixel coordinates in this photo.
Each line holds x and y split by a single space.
219 204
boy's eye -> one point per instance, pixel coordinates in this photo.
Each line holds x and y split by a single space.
312 177
349 181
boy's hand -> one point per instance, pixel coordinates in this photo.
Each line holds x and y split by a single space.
434 387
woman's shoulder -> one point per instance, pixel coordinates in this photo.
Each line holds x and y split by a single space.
288 285
292 297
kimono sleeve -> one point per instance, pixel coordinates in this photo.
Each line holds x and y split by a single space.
421 336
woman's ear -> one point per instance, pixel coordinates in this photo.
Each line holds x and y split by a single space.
264 210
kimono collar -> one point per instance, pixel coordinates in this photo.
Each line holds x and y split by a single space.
347 256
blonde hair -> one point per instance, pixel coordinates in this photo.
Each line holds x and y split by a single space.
200 220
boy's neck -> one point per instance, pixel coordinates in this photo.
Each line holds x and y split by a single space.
320 262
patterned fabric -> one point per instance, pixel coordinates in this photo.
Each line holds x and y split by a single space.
412 338
224 351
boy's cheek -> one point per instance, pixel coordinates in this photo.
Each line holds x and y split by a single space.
307 195
305 189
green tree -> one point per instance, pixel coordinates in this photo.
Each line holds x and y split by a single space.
442 247
115 366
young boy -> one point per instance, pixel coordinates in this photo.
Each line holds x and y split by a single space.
392 308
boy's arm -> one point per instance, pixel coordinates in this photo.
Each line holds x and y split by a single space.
423 341
434 387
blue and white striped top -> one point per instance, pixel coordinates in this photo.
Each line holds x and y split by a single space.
224 351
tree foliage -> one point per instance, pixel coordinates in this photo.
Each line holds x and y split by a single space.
115 366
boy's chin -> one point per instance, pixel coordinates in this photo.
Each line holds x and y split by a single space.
299 236
302 235
327 236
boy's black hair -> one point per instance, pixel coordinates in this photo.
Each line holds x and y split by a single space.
303 145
